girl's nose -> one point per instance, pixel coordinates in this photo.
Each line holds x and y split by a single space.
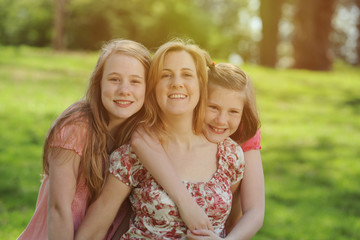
221 118
123 88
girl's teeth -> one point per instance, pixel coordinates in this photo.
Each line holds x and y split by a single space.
123 102
219 130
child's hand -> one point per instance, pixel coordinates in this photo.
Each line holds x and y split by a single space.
194 216
202 234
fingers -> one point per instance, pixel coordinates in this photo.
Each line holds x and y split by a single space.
201 232
209 226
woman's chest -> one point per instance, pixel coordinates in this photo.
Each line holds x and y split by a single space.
150 201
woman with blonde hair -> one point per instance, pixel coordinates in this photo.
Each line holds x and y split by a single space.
75 158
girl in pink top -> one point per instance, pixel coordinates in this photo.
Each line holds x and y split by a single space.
75 159
231 112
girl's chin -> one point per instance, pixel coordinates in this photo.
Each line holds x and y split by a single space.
214 137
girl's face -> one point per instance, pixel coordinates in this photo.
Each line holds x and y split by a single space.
223 113
122 87
177 91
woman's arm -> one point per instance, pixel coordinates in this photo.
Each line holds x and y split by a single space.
63 172
102 212
252 199
154 158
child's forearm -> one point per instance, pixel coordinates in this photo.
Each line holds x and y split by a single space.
191 213
102 212
60 224
63 170
153 157
156 162
249 224
252 198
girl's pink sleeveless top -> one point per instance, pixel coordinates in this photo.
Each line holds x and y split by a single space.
70 137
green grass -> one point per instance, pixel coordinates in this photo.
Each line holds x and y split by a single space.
310 140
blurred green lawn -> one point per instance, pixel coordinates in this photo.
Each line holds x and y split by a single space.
310 140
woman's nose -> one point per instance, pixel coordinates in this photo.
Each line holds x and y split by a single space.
176 82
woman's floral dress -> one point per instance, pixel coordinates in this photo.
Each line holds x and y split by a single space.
155 214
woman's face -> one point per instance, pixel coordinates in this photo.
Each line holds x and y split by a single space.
177 91
223 113
122 87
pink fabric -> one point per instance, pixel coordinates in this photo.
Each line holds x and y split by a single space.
155 214
71 137
253 143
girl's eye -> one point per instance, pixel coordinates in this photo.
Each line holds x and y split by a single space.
135 81
234 112
212 107
114 79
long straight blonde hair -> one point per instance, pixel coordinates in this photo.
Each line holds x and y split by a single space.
90 110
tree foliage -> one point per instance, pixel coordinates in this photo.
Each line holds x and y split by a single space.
26 22
248 28
150 22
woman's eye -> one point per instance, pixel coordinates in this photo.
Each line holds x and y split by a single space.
188 75
166 75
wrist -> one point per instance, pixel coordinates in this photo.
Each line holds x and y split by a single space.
183 199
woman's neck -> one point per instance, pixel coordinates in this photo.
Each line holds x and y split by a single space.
180 128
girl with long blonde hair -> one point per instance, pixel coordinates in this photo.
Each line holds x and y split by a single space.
75 157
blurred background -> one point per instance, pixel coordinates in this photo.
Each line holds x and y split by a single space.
279 33
303 57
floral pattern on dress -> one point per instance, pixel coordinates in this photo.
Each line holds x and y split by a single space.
155 214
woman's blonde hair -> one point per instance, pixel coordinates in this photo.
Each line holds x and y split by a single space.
232 77
94 159
201 59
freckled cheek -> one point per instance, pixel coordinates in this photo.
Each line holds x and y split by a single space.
209 117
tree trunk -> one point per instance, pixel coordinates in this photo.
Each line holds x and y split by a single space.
59 24
358 40
270 13
311 37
